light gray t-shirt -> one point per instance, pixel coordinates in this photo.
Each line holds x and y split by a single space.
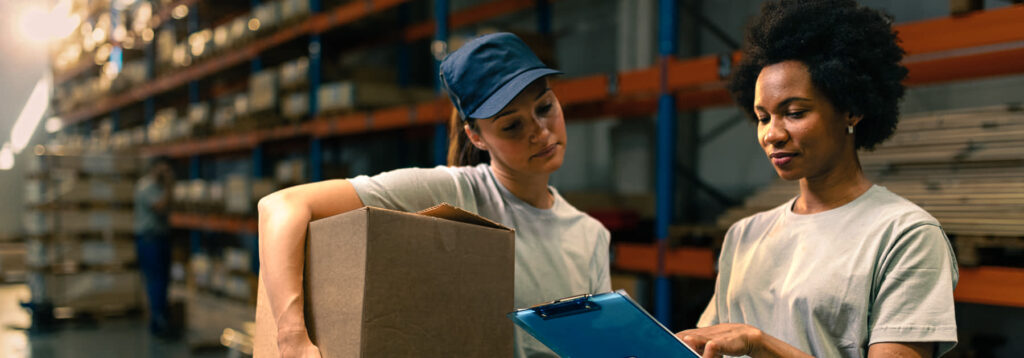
560 251
878 269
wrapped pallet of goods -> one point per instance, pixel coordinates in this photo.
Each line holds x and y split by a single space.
162 128
295 106
91 190
238 198
262 187
238 32
12 261
345 96
198 119
294 75
108 252
214 202
221 35
89 291
290 172
263 95
181 57
238 260
180 195
80 252
199 44
293 11
266 16
97 220
223 113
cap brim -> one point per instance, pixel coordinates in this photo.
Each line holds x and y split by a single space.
501 98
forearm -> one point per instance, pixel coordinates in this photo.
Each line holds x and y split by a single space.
282 236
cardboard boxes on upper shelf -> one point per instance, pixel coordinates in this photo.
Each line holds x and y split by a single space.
442 280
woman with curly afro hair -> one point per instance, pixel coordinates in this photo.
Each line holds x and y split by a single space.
847 268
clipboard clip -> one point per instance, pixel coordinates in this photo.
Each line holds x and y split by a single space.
567 306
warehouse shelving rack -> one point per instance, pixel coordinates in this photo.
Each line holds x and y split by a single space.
976 45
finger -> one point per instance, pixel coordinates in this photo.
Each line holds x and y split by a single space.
688 331
694 341
710 350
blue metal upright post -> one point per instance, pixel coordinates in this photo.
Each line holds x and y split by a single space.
665 158
544 17
115 120
193 26
195 236
315 63
316 151
440 38
316 160
404 60
149 104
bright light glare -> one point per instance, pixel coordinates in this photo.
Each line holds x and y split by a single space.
31 114
38 24
54 124
6 157
179 12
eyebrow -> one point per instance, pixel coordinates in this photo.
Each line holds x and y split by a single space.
511 111
784 103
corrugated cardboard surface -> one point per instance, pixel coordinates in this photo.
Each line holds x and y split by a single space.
382 283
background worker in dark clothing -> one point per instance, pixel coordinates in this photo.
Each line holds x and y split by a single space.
152 204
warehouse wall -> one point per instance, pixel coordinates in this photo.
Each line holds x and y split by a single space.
21 64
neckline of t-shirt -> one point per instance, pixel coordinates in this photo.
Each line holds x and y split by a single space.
788 208
505 193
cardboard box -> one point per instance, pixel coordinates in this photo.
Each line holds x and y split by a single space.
382 283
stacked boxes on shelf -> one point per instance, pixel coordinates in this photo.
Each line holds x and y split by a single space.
12 259
79 250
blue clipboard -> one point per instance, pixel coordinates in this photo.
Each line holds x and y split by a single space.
602 325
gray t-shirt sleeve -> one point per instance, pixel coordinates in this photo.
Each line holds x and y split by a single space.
915 294
413 189
602 281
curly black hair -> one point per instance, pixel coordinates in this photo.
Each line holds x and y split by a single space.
851 52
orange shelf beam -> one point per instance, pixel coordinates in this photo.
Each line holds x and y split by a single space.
336 17
165 12
682 261
978 65
341 15
468 16
213 223
990 285
974 29
1000 286
695 80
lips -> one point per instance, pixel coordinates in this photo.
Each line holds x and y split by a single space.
546 151
781 158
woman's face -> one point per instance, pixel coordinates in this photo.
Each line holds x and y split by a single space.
528 135
799 129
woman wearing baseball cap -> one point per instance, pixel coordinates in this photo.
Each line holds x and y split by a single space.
508 136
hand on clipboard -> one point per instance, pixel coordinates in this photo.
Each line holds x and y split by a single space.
602 325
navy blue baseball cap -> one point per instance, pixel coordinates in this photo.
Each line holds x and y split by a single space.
486 73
